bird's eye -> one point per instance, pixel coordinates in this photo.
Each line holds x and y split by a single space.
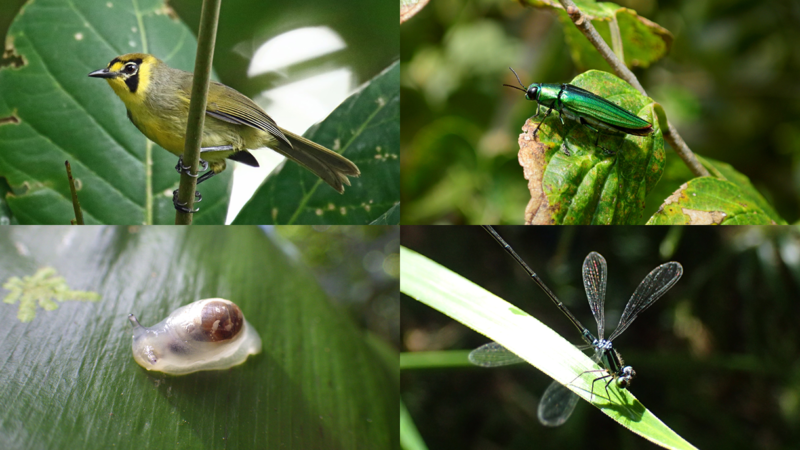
129 68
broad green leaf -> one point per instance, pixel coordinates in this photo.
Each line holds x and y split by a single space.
366 129
462 300
590 186
715 201
727 172
390 217
676 174
643 41
69 380
62 114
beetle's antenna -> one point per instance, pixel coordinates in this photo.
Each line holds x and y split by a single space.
518 80
515 87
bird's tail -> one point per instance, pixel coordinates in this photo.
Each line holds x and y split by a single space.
332 167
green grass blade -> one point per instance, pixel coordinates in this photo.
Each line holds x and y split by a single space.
410 438
502 322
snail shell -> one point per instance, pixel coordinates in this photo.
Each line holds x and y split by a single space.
208 334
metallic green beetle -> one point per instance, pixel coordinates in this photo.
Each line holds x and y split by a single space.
583 107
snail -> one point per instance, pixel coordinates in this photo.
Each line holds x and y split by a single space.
208 334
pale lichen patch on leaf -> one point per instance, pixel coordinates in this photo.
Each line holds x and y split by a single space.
676 196
704 217
168 11
44 288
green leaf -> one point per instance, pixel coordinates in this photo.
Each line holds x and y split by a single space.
449 293
643 41
71 380
713 201
590 186
62 114
410 439
390 217
717 202
366 129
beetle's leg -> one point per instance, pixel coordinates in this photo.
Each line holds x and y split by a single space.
597 141
542 121
565 149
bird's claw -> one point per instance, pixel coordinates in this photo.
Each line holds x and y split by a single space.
181 168
182 206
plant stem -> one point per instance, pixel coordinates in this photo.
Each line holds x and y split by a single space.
671 135
197 107
76 205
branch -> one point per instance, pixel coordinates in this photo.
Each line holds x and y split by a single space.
674 139
76 205
197 106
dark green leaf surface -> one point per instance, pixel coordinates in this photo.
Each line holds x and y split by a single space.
65 115
589 186
365 129
68 378
392 216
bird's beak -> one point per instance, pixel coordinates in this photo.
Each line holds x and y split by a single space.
103 73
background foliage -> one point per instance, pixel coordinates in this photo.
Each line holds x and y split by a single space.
721 85
716 357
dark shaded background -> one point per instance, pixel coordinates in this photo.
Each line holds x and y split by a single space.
729 85
716 357
359 268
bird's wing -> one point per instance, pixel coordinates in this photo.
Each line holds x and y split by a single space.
241 110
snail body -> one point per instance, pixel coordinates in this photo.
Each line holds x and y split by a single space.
209 334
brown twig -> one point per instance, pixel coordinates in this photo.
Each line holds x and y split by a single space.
671 135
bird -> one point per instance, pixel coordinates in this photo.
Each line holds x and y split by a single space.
157 96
